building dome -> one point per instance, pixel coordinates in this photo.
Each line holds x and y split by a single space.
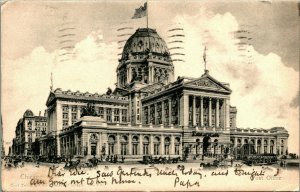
143 41
28 113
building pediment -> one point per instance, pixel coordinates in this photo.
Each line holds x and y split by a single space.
152 88
51 97
209 83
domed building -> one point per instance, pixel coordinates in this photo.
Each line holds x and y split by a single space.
151 113
145 59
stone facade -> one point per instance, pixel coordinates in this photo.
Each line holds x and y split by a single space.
29 129
150 113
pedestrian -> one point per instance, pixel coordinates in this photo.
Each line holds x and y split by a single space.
231 161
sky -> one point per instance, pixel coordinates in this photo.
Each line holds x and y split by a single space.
264 77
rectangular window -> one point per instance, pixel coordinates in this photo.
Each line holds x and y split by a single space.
74 109
65 115
166 110
74 116
123 149
146 149
124 115
116 115
134 148
159 114
101 112
65 108
152 114
156 149
65 123
146 115
108 115
174 111
116 119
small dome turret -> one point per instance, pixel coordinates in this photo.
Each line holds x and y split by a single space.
28 113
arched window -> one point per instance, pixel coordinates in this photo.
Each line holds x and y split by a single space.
156 144
272 146
258 147
111 144
135 142
124 144
265 146
146 145
167 145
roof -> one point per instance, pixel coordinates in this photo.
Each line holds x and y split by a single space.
204 83
87 97
143 41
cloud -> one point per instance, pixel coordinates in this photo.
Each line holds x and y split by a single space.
26 81
262 90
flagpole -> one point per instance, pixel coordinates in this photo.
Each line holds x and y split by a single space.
147 8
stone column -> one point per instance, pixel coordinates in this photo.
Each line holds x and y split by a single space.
130 74
209 112
58 152
141 144
88 144
255 145
184 110
223 124
235 141
118 145
201 111
78 112
151 145
172 150
162 145
285 146
227 114
130 144
149 116
275 146
155 114
75 143
194 110
120 115
112 115
104 113
262 145
162 112
127 73
170 111
279 147
268 146
217 114
99 144
69 115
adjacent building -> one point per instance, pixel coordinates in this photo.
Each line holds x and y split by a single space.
27 133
